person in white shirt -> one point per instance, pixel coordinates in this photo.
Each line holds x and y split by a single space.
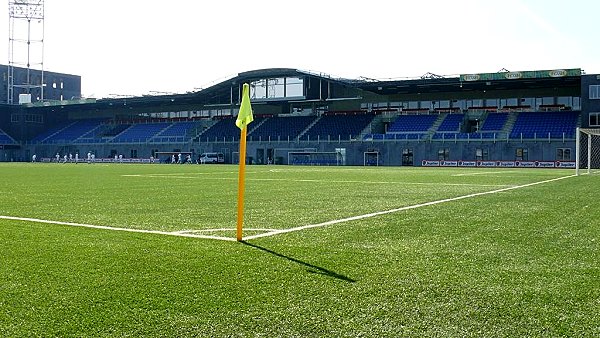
57 158
76 158
33 158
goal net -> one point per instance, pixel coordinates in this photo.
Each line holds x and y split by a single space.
588 150
314 158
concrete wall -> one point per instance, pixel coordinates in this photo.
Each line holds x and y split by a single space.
390 152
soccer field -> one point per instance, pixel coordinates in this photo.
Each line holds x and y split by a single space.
329 251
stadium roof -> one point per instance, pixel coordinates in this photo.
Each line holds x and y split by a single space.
223 93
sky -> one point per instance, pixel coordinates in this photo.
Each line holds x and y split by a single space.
140 47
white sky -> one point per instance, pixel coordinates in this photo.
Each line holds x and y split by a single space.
134 47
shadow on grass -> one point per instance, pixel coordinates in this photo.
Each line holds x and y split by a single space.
315 269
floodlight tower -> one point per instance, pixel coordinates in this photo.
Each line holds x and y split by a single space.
26 47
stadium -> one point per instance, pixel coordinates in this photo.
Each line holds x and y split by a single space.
526 118
434 206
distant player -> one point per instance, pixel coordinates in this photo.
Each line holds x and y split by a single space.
57 158
70 157
65 159
93 158
33 158
76 158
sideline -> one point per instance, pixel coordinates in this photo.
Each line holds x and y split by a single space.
103 227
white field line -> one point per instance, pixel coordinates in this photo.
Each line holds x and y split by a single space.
354 218
190 233
485 173
222 229
177 233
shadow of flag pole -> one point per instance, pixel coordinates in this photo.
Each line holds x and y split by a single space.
243 119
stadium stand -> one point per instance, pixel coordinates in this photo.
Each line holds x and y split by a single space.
140 132
412 123
70 132
335 127
281 128
176 132
494 122
451 123
545 125
223 130
5 138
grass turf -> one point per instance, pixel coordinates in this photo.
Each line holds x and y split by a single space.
515 263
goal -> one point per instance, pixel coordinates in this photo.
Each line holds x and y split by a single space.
315 158
587 148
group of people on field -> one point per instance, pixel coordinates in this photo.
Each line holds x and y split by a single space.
179 159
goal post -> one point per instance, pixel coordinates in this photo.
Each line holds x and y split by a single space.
587 149
371 158
314 158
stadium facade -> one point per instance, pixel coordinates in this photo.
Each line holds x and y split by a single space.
525 118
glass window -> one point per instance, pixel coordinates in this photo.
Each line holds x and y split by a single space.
444 104
528 101
475 103
425 105
294 87
576 103
538 102
413 105
567 101
276 88
491 103
563 154
462 104
521 154
258 89
481 154
443 154
594 119
594 92
547 100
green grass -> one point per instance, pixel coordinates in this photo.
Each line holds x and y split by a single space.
517 263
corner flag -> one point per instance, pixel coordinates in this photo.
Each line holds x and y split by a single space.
243 119
245 115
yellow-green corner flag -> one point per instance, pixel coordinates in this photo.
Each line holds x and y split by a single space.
245 115
243 119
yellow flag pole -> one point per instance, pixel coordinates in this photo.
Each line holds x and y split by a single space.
241 182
